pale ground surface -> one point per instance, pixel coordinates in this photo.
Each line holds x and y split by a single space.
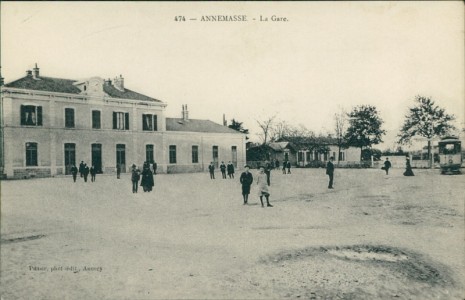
372 237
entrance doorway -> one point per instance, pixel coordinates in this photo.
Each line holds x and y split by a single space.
70 157
121 156
97 157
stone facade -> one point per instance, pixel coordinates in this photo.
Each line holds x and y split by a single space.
48 124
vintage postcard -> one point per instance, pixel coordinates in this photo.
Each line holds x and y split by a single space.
232 150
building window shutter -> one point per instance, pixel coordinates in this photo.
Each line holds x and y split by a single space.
23 115
155 127
39 115
115 120
126 121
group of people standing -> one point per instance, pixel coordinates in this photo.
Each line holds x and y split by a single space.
223 169
145 176
84 171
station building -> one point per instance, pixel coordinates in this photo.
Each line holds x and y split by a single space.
48 124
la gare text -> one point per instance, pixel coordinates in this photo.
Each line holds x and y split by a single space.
232 18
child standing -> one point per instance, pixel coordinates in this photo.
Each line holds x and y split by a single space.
263 187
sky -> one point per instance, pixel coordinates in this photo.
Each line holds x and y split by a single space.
326 56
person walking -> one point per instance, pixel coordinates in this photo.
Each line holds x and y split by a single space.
223 170
85 172
267 169
147 182
118 171
262 182
387 165
81 168
211 169
284 167
74 171
93 173
330 172
230 169
408 168
135 176
246 180
288 165
276 163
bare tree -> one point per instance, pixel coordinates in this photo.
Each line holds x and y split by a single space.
340 120
266 127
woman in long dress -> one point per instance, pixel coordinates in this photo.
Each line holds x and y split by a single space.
147 178
408 168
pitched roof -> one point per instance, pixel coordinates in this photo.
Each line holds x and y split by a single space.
48 84
126 94
195 125
60 85
279 146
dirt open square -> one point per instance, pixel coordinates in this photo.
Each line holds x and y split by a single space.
372 237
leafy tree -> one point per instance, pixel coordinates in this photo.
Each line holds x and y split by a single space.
236 125
427 120
364 127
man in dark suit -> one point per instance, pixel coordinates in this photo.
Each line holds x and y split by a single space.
85 172
330 172
211 169
74 171
387 166
268 172
223 170
246 180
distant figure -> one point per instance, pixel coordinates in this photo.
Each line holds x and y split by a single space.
267 169
93 173
288 165
154 167
284 166
147 182
223 170
118 171
74 171
85 172
330 172
135 176
262 182
230 169
408 168
276 164
81 168
246 180
211 169
387 165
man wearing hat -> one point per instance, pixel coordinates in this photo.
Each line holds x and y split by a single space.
246 180
135 176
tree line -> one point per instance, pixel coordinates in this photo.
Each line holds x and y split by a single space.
361 127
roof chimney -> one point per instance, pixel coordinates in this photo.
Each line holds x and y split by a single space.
185 113
108 82
29 73
118 82
35 72
225 123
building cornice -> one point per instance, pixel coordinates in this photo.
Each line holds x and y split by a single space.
87 98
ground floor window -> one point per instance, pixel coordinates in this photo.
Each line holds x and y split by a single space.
31 154
121 156
195 154
70 157
149 153
215 155
172 154
341 156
